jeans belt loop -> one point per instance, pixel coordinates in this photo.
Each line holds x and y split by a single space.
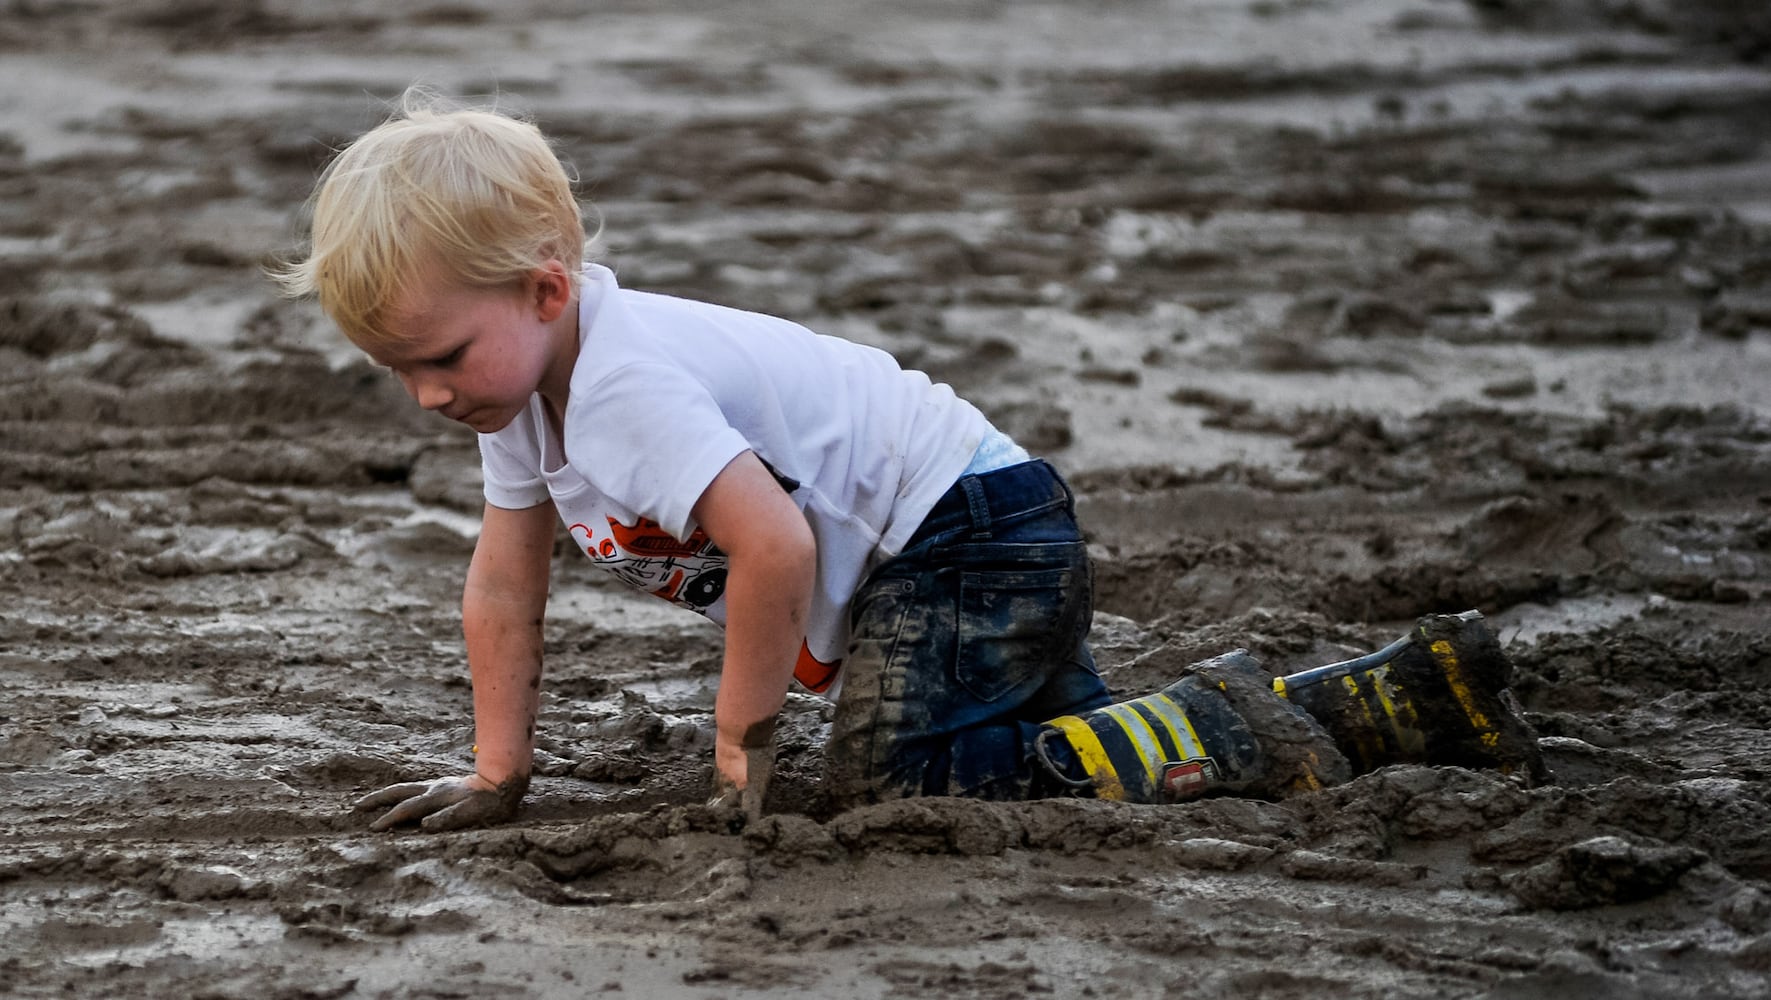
975 502
1069 495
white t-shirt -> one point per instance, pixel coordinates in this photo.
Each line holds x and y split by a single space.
667 391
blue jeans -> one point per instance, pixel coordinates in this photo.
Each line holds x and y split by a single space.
964 643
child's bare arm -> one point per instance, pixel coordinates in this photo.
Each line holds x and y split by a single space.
771 561
502 608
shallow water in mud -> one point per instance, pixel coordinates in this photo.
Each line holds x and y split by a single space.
1335 314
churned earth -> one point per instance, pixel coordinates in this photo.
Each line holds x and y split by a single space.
1335 313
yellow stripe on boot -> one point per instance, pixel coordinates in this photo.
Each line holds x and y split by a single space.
1143 741
1460 688
1404 722
1094 757
1178 725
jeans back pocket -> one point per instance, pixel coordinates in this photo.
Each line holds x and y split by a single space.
1013 628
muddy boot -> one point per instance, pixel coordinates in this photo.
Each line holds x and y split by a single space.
1435 696
1220 728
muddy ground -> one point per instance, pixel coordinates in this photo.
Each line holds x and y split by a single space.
1336 313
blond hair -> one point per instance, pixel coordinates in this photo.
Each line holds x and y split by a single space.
474 193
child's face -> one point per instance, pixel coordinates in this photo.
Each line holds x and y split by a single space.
474 355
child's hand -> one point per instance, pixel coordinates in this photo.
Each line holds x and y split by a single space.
741 774
446 803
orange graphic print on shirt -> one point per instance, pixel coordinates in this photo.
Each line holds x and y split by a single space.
689 573
644 556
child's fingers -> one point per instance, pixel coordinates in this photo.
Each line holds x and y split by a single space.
441 794
444 804
413 808
476 809
390 795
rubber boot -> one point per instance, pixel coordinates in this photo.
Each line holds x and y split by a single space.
1220 728
1438 695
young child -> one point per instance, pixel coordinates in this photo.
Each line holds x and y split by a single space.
854 526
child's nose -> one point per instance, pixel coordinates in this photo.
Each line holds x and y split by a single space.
428 392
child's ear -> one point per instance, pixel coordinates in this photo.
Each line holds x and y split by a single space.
551 287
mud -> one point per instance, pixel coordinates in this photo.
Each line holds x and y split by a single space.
1334 314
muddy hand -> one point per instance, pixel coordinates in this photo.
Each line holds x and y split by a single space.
760 764
752 763
446 803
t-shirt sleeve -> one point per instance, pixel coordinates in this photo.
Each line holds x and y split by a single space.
512 472
652 437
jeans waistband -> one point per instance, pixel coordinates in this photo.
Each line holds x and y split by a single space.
1001 496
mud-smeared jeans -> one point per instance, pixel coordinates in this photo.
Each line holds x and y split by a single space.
964 643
